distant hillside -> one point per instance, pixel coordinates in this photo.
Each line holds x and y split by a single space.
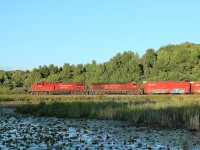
169 63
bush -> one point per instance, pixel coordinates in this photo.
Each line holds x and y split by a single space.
18 91
6 90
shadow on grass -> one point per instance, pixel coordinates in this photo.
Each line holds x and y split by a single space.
135 111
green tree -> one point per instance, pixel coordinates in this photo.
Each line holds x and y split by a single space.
149 59
44 71
36 74
79 73
30 80
67 73
54 78
17 78
53 69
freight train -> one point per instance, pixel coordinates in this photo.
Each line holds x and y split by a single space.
128 88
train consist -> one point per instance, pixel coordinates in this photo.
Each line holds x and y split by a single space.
129 88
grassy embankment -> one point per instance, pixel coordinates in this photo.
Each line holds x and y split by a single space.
160 110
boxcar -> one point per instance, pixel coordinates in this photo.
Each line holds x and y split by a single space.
195 87
115 88
166 87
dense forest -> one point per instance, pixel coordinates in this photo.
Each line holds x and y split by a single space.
169 63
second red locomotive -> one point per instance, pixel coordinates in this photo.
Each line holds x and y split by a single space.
115 88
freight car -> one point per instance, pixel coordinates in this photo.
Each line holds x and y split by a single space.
195 87
166 87
58 88
129 88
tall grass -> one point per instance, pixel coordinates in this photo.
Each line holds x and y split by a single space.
164 98
164 113
161 110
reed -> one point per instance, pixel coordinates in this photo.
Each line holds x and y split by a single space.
161 110
163 113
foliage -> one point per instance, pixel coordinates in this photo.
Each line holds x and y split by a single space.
169 63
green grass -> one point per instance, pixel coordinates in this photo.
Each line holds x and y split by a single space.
4 98
163 113
159 110
27 97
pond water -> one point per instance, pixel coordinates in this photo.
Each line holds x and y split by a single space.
28 132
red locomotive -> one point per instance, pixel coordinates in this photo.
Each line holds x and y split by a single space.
58 88
166 87
42 87
115 88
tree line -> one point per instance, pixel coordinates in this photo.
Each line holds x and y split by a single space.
179 62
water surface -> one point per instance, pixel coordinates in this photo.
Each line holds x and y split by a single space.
28 132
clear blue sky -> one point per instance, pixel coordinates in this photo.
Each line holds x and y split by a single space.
43 32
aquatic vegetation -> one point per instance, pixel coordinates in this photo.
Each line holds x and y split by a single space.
172 111
33 132
163 113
